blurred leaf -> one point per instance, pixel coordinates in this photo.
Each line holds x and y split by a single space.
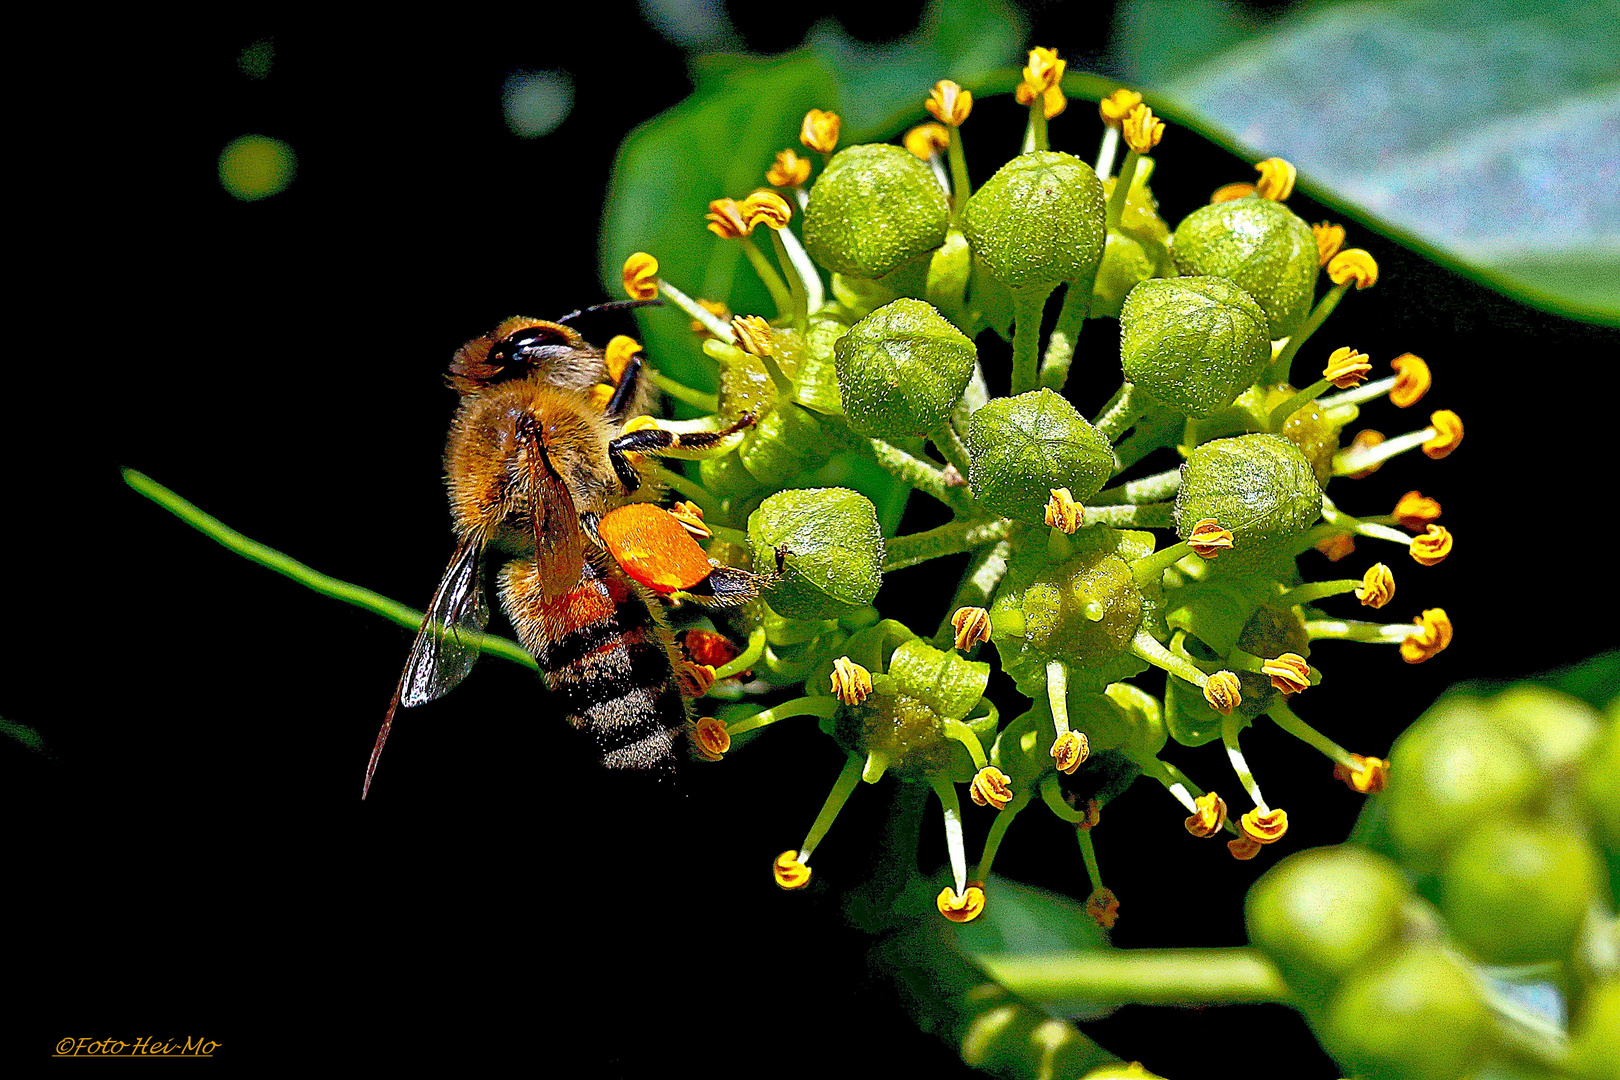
1022 919
1482 129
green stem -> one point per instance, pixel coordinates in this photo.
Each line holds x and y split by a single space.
696 492
1148 648
920 474
708 403
961 186
1152 516
796 290
952 449
1278 371
1148 489
1122 188
1029 308
952 539
781 296
1060 346
1121 413
848 777
1148 569
955 846
1035 134
1106 152
1142 976
1279 416
1355 630
746 659
286 566
998 830
1284 718
977 586
1313 591
711 322
816 705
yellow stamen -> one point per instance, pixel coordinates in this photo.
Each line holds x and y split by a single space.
1071 750
1416 511
1103 907
789 872
1210 818
926 140
1062 512
1377 586
712 739
725 219
1367 775
1431 639
1116 106
1276 179
767 208
1052 99
1265 828
819 131
1228 192
718 308
754 335
960 909
1448 432
972 626
1289 673
1044 69
1412 380
851 683
1432 547
618 355
1244 847
1347 368
789 170
1208 539
949 103
641 276
1337 547
1354 265
1329 239
1224 692
991 787
1366 439
1143 130
695 679
690 515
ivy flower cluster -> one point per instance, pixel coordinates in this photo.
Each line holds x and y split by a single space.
1089 564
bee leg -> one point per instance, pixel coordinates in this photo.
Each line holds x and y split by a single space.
727 586
624 395
589 522
659 441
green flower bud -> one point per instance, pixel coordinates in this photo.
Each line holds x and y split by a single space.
727 478
1555 728
874 207
785 442
815 383
901 370
1192 343
1600 790
1039 221
1321 914
1144 719
1023 447
1261 245
1595 1048
831 545
949 269
1420 1015
1516 891
1259 486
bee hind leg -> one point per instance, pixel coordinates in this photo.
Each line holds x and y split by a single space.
727 586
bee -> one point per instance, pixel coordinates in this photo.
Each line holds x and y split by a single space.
539 464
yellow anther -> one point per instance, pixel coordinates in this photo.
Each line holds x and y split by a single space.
1366 439
765 207
1276 179
1448 432
1412 380
726 220
1329 239
1355 266
690 515
1347 368
1210 818
1244 847
1228 192
1062 512
1103 907
754 335
1224 692
1117 106
641 276
1337 547
789 170
1416 511
991 787
695 679
1208 539
1289 673
1368 775
972 626
851 683
1432 547
964 908
618 354
711 740
819 131
600 395
1071 750
1265 828
1045 69
1432 637
718 308
789 872
1377 586
1143 130
926 140
1052 99
949 103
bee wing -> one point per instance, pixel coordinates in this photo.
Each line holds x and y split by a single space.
447 643
559 549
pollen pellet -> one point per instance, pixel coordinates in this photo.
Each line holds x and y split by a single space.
653 547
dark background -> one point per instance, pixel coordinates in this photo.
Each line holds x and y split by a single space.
189 854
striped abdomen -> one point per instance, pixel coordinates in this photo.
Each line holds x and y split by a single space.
606 659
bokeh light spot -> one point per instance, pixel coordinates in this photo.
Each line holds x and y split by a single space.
256 167
535 102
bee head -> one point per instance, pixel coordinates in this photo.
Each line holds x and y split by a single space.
519 348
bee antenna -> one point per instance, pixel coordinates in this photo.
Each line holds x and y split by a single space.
611 305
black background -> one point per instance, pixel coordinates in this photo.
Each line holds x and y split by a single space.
190 855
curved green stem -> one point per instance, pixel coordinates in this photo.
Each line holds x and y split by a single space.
920 474
708 403
815 705
1029 307
1060 346
745 659
781 296
952 539
1142 976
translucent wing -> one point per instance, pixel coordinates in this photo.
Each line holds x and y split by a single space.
559 549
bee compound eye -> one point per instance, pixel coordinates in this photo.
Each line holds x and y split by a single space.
528 346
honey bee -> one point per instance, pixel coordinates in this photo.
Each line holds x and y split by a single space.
538 458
